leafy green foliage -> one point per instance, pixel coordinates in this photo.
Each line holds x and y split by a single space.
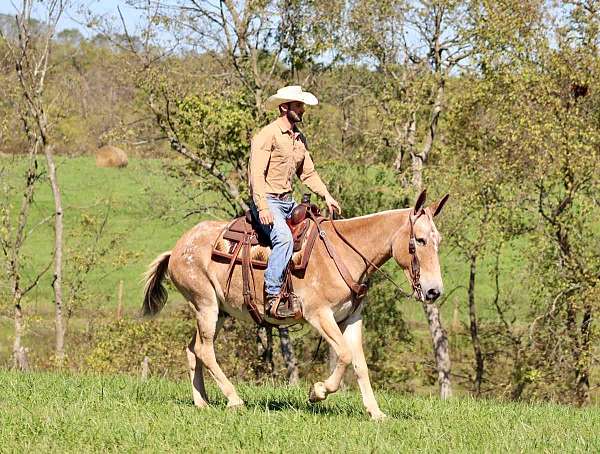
122 346
516 146
363 190
219 127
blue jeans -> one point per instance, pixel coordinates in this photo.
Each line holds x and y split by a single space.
281 241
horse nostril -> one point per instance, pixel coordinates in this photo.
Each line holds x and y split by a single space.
433 294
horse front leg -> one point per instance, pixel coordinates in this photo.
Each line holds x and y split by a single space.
325 323
353 337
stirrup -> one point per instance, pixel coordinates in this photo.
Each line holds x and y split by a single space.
282 301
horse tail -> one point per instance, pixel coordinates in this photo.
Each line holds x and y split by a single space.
155 293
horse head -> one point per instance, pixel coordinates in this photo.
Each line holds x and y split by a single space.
415 248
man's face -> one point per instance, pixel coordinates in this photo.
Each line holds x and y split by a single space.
295 111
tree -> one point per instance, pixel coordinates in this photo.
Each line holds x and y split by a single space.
543 84
14 223
414 46
244 41
31 56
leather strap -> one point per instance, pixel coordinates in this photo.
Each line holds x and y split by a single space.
359 290
415 265
369 262
247 275
231 266
249 292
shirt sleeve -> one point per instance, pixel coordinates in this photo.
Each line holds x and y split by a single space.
309 176
260 154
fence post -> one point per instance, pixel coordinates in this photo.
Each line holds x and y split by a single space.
120 301
145 368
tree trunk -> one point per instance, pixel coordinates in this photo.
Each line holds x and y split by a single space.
145 371
418 159
440 348
582 389
19 353
439 336
579 350
434 118
405 135
417 170
479 367
518 379
287 351
58 262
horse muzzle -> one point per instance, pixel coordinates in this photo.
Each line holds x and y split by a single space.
432 294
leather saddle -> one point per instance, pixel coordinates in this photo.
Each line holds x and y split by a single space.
243 242
246 228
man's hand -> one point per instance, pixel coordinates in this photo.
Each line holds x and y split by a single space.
332 205
265 216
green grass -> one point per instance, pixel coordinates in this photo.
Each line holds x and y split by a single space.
58 413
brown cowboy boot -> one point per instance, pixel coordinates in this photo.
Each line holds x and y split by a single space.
295 305
278 307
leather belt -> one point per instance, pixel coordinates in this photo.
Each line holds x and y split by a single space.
282 196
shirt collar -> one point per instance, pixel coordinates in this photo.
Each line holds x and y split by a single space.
284 129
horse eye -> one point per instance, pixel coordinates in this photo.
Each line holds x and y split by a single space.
422 241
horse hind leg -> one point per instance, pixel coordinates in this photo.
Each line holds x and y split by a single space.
196 375
208 324
196 369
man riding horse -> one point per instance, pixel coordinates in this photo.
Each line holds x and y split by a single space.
332 288
279 151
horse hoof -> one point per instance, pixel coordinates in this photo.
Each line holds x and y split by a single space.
378 416
318 392
236 406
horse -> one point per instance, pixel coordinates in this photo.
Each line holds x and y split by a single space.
408 235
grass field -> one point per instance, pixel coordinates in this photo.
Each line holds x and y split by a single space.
57 413
144 212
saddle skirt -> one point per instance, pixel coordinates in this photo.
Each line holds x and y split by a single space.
231 239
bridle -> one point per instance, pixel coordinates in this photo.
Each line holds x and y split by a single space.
415 265
359 289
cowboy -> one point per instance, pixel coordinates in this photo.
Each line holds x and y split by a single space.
279 151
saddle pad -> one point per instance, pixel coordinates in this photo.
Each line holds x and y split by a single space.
226 243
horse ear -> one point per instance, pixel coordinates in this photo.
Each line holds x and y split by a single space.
420 201
437 207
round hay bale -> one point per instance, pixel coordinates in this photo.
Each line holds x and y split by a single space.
109 156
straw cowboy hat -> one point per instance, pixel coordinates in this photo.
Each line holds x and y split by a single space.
289 94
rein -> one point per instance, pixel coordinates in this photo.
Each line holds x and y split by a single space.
370 263
415 264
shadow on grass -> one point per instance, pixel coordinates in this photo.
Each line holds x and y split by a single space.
292 403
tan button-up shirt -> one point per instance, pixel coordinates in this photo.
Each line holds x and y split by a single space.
276 155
